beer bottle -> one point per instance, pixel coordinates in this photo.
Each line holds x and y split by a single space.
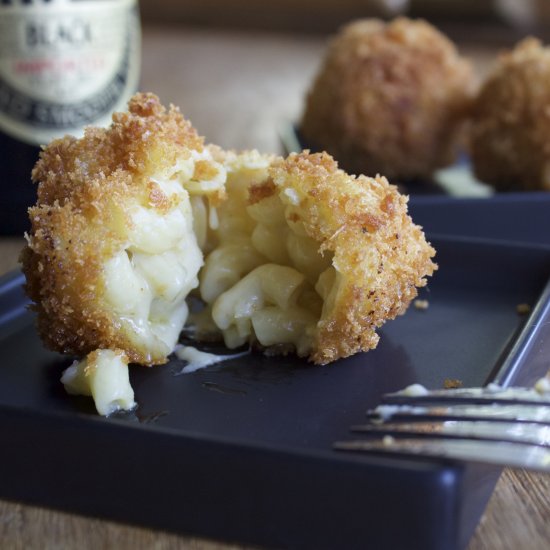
64 65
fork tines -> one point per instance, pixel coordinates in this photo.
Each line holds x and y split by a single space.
488 394
533 434
500 453
503 426
495 412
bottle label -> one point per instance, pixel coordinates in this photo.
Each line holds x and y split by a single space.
65 64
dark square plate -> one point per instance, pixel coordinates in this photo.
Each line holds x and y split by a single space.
519 217
242 451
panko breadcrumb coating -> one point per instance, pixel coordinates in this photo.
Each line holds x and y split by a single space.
380 256
299 256
390 98
510 132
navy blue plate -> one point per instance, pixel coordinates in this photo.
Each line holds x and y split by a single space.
513 217
242 451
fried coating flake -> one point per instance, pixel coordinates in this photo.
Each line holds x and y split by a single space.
510 132
111 254
390 98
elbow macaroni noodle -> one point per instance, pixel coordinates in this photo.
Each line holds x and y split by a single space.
103 374
265 280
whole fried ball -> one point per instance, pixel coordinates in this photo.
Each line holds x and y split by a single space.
390 98
510 133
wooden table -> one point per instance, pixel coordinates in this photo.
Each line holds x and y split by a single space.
237 88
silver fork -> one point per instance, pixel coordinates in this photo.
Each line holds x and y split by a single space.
494 425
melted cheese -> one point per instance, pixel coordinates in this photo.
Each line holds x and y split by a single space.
197 359
414 390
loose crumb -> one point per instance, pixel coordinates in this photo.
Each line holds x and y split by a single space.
451 383
523 309
421 304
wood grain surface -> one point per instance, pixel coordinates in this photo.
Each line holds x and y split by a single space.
237 88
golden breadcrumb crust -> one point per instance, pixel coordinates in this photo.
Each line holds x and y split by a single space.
80 221
390 98
381 255
510 133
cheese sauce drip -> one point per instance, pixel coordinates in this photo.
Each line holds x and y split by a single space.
197 359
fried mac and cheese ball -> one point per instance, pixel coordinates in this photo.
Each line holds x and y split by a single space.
288 255
389 98
310 259
112 252
510 133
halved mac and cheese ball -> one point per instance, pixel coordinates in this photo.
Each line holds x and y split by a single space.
327 259
300 256
112 253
